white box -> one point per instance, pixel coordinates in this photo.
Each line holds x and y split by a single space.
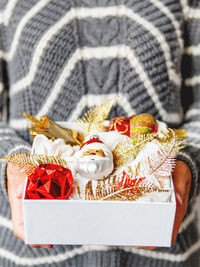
98 222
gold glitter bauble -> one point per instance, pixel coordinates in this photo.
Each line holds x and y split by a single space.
142 124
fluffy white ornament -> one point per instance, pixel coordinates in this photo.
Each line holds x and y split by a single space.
58 148
162 129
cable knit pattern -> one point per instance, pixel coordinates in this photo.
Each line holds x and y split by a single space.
59 58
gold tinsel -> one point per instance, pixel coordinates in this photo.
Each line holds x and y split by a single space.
93 120
27 163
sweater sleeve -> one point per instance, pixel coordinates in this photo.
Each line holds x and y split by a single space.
191 93
10 142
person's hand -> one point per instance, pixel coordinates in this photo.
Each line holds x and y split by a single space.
182 180
15 183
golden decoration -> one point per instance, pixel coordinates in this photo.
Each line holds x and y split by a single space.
116 191
88 191
142 124
123 153
52 130
22 161
181 136
127 150
27 163
93 120
118 121
44 159
79 191
161 164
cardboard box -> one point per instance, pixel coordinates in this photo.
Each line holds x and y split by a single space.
98 222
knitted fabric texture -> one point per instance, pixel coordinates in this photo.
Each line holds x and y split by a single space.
59 58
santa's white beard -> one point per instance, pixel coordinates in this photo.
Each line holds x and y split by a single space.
94 167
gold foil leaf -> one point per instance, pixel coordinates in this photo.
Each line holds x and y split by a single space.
52 130
124 152
127 150
126 189
94 118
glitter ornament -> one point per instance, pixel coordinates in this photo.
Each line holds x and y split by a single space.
142 124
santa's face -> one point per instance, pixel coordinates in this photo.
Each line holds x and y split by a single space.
94 164
91 151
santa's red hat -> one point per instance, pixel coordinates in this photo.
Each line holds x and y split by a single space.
93 140
96 143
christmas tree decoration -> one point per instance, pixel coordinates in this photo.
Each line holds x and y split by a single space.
127 150
142 124
94 160
93 120
120 125
28 162
22 161
47 176
123 188
126 159
53 130
49 181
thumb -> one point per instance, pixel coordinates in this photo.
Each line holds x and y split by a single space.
20 189
180 180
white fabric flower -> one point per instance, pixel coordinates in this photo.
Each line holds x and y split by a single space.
57 148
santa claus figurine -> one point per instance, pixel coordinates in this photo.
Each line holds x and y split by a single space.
94 160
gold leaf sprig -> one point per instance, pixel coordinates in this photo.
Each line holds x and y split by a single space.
94 118
44 159
27 163
133 193
161 162
123 153
116 191
127 150
22 161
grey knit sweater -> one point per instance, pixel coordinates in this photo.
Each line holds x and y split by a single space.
60 57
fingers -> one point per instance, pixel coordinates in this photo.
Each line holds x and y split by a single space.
181 180
20 190
17 217
16 181
43 246
18 230
181 176
147 248
18 224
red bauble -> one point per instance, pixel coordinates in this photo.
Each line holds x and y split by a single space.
49 181
120 125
